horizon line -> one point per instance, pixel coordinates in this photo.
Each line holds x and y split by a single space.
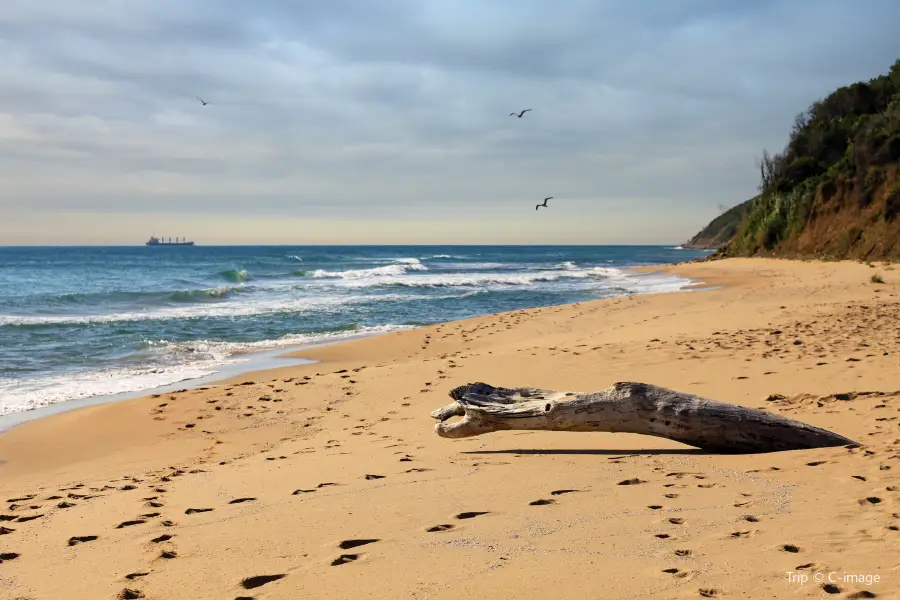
662 245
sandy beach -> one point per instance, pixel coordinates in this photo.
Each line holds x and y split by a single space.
327 480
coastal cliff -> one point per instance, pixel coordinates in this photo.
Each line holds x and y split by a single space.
720 230
834 191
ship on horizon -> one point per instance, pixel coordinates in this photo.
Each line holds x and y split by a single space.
155 241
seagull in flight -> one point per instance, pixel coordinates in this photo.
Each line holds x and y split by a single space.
537 206
202 101
512 114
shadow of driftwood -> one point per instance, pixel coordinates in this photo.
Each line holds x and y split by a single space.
598 452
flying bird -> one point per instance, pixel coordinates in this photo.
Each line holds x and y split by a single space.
512 114
537 206
202 101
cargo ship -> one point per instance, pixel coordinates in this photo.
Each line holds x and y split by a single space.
155 241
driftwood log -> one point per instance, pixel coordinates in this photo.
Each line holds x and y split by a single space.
630 408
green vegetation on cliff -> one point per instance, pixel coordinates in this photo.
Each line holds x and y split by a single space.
834 191
720 230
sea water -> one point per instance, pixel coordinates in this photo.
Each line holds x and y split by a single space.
82 322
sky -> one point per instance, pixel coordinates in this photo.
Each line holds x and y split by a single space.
387 121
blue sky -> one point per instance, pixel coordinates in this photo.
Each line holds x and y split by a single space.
364 121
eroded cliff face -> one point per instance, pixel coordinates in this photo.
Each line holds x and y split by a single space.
834 191
855 217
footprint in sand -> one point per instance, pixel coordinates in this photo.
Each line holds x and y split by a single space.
260 580
751 518
130 523
676 520
632 481
168 554
136 575
470 515
33 517
709 592
6 530
369 476
298 492
348 544
790 548
240 500
541 502
5 556
344 559
130 594
81 539
869 500
677 573
191 511
22 499
561 492
442 527
163 538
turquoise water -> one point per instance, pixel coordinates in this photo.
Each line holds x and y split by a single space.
82 322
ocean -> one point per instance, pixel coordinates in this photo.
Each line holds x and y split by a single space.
77 323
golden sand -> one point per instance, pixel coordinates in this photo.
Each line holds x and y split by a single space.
327 480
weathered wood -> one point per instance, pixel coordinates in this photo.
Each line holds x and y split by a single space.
630 408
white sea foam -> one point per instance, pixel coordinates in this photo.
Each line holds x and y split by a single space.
176 362
230 308
599 277
567 265
400 267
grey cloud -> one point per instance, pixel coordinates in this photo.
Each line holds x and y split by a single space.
335 103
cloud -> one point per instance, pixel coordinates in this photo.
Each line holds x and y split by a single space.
648 115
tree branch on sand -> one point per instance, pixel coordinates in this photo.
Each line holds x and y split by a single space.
628 407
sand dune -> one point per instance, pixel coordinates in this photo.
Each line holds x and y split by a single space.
327 480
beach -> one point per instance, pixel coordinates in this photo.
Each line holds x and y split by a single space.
327 479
